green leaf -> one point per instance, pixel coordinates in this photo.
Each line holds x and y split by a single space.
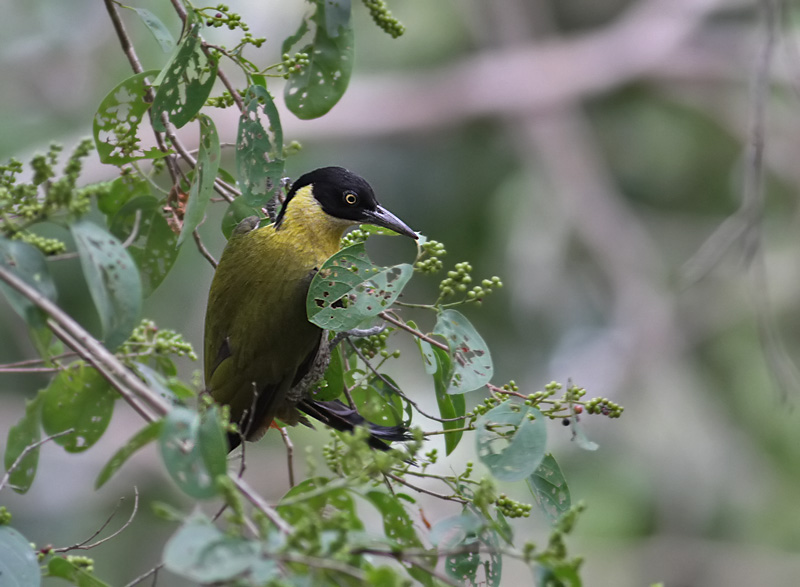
450 533
259 148
509 443
358 288
153 245
379 404
472 363
117 122
78 398
18 564
313 91
64 569
237 211
399 528
202 553
549 488
123 189
21 435
191 447
157 28
450 406
112 278
186 82
334 378
28 263
321 498
139 440
205 172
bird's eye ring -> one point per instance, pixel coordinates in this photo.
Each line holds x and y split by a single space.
350 198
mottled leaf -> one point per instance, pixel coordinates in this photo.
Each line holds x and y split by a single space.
28 263
117 121
186 82
77 398
202 553
314 90
549 488
510 440
21 435
259 148
153 246
18 564
112 278
472 363
205 172
191 447
349 288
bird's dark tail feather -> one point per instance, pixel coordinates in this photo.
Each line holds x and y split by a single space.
343 418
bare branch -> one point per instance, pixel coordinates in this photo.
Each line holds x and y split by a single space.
28 449
289 453
83 545
203 250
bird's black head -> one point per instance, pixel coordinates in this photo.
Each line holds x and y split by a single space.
345 195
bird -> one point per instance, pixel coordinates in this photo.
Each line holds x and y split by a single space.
261 353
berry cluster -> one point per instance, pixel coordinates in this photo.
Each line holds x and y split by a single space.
222 16
149 339
375 344
430 260
459 279
224 101
354 237
380 13
511 508
45 196
292 65
604 406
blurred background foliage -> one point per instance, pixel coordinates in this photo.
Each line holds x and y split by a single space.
592 153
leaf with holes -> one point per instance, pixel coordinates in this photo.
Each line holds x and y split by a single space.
116 123
21 435
349 288
472 363
19 566
399 528
139 440
259 148
185 82
28 263
194 449
112 278
318 86
468 532
153 244
77 398
205 172
549 488
510 440
157 28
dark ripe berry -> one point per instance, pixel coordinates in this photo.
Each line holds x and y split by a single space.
565 422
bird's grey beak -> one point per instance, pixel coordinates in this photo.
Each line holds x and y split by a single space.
380 216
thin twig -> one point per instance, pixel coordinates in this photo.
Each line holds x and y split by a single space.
397 390
28 449
289 454
426 491
203 250
400 324
140 578
135 231
83 545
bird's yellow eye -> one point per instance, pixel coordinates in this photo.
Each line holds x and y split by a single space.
350 198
